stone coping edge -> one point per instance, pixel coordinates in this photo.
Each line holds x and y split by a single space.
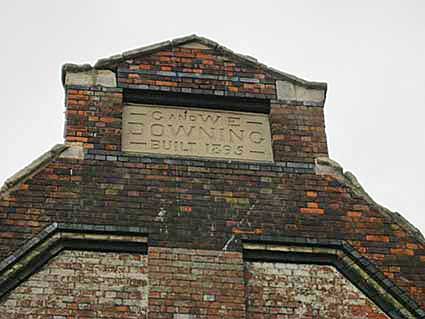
327 166
13 182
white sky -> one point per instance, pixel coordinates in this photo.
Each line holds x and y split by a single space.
371 54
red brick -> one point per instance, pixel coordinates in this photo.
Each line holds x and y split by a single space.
313 211
402 251
380 238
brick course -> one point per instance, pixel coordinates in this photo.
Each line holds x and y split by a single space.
210 200
297 291
193 283
298 133
199 71
195 211
81 284
93 117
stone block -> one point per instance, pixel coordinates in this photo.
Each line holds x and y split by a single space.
74 151
292 92
196 132
92 77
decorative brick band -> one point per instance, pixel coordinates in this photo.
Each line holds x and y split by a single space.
362 273
58 237
191 75
287 167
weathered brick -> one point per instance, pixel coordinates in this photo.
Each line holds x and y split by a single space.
276 290
196 211
83 284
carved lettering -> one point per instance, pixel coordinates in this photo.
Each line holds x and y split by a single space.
207 132
157 115
155 144
210 118
181 128
239 150
196 133
234 133
234 121
157 129
256 137
166 145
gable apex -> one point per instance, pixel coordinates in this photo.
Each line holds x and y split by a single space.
195 41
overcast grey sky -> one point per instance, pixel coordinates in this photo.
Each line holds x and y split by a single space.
371 54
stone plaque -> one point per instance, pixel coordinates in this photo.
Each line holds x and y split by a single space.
195 132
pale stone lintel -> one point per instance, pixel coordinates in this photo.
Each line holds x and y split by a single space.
327 166
289 91
75 150
104 237
286 248
93 77
253 246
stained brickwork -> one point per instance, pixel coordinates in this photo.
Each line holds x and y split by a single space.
178 200
196 211
298 133
82 284
195 284
93 117
299 291
201 71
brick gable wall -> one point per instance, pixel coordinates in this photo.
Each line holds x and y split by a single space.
199 71
201 204
81 284
196 211
304 291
